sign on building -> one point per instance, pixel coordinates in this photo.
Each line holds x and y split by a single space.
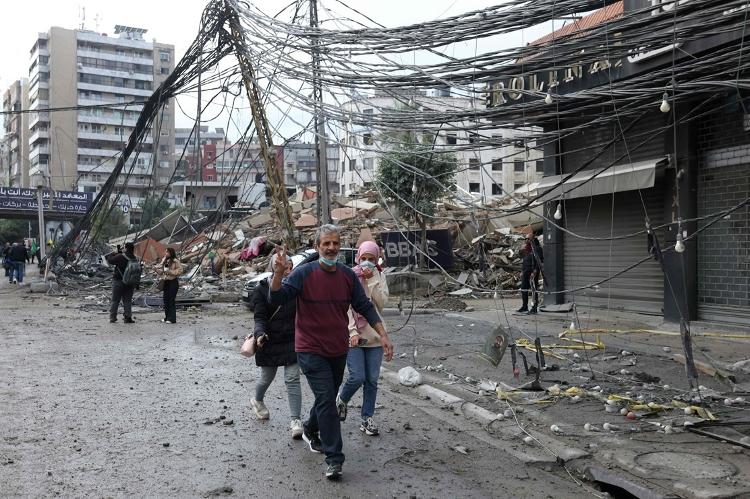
401 249
18 199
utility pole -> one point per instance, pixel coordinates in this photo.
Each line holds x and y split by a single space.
267 152
40 215
323 199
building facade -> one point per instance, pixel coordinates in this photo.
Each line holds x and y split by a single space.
301 166
103 79
681 174
16 152
491 163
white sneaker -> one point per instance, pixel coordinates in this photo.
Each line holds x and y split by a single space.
260 409
296 426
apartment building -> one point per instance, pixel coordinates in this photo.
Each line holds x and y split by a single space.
301 166
491 163
102 78
16 152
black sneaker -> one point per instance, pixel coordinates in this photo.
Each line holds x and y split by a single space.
128 320
532 311
522 309
112 321
313 441
341 408
333 472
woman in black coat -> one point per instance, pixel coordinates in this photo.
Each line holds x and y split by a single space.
274 333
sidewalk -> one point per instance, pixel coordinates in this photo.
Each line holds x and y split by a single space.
650 456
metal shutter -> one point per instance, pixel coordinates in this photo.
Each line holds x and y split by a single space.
640 289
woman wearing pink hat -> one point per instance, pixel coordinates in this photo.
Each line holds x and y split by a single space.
365 353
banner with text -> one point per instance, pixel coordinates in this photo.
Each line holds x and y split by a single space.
68 202
400 251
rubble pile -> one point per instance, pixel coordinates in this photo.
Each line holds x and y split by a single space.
486 254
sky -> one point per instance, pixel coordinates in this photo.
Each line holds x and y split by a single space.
176 22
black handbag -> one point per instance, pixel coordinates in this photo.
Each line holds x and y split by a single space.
160 285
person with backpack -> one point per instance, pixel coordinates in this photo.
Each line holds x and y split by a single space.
125 278
170 269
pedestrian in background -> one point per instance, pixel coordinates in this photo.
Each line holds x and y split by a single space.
7 264
35 252
170 270
121 291
274 334
211 260
18 256
324 290
531 267
365 352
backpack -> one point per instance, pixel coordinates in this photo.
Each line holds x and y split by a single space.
132 274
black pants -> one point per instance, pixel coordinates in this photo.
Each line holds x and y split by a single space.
170 296
529 283
324 375
124 293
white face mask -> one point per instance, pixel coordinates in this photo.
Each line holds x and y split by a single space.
366 264
329 262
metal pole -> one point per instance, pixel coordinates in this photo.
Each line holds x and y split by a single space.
40 213
323 199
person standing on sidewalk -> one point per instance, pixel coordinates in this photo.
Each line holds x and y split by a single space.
35 251
120 290
324 290
531 267
170 270
6 261
365 353
274 334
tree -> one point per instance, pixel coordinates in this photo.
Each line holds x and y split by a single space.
108 223
154 208
14 231
415 177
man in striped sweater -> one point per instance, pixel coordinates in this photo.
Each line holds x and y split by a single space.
324 290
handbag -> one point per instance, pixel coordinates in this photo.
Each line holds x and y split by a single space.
250 345
160 285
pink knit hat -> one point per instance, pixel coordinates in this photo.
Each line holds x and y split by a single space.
368 247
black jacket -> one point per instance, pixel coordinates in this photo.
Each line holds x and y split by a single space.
18 253
120 261
532 262
278 323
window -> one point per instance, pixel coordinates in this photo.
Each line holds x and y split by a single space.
367 139
209 178
473 164
368 163
474 187
451 139
497 165
165 56
367 111
519 166
352 164
518 185
209 202
164 71
540 166
519 143
473 138
497 189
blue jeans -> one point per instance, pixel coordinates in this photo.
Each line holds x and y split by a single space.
17 271
364 369
324 375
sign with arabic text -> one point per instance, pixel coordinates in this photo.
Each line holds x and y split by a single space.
68 202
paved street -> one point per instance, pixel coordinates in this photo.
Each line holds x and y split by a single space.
98 409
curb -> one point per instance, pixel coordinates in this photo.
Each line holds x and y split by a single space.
506 429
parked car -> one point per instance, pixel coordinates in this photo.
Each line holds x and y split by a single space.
346 256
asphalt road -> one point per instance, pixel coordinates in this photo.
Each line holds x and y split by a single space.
110 410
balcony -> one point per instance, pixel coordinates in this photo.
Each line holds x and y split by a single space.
111 137
116 73
111 101
38 117
106 120
111 56
114 90
40 134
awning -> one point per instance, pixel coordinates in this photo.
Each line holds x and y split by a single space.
618 178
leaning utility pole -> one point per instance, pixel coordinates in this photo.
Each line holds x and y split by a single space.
323 199
274 177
